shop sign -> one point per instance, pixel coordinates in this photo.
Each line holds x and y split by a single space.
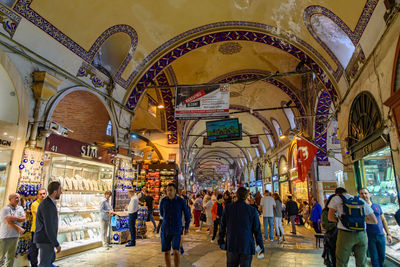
365 148
283 178
193 102
62 145
5 142
221 168
329 185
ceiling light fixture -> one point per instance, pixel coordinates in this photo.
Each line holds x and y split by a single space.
161 106
282 136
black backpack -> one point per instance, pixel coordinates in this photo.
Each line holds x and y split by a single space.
397 217
353 216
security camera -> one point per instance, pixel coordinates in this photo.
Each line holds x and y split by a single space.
45 133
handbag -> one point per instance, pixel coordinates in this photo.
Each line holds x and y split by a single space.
203 217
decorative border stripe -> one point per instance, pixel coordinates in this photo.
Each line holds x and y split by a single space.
23 8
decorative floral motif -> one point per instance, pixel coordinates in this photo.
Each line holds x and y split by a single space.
230 48
87 70
9 24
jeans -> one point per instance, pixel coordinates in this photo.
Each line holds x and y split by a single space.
236 259
317 227
348 242
151 218
216 224
292 219
159 225
376 249
47 254
8 246
269 222
278 226
33 252
132 227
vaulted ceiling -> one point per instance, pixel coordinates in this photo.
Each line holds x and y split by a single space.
169 42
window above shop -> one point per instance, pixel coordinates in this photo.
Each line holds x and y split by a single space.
334 37
264 150
277 127
289 115
109 129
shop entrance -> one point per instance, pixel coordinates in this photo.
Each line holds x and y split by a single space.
5 160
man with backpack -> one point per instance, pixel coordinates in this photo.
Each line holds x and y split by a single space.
351 213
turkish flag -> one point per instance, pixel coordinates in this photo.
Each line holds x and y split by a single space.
305 156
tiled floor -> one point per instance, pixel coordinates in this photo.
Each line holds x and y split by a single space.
200 252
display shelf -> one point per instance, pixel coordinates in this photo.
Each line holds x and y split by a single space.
80 228
79 211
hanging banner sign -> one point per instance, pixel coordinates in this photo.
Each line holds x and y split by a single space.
208 102
221 168
305 156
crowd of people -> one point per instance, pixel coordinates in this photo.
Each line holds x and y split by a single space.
350 224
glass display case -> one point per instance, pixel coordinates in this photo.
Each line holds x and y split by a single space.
124 177
83 184
379 178
5 160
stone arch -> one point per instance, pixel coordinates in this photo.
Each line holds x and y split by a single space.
354 36
201 36
53 103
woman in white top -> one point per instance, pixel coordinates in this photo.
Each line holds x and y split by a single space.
207 206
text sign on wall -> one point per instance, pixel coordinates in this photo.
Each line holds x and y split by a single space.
62 145
194 102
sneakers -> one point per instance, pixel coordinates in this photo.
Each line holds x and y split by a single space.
130 245
212 241
198 231
181 250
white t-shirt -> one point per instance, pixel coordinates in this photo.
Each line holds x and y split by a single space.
268 203
133 204
5 230
337 204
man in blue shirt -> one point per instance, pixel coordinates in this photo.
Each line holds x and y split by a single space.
241 224
171 209
316 216
376 236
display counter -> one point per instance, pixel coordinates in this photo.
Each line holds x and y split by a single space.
83 183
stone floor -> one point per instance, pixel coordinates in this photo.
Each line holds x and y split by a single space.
298 251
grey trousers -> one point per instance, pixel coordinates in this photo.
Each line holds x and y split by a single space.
8 246
104 226
292 221
47 254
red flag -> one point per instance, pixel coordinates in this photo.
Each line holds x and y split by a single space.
305 156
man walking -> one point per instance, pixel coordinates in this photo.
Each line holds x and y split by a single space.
292 211
316 216
171 209
376 236
10 218
240 224
105 215
33 250
268 203
47 226
148 199
350 239
133 208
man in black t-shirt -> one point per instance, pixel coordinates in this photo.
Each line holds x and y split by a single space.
148 199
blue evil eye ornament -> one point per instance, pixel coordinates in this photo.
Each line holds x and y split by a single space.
41 163
21 166
32 161
25 160
116 237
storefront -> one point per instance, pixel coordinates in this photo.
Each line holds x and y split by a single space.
267 178
259 179
373 162
284 183
252 182
85 173
275 179
299 188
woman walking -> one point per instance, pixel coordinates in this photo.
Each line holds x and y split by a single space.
207 209
198 208
278 218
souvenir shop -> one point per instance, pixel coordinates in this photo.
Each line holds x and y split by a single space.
373 163
85 172
299 188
